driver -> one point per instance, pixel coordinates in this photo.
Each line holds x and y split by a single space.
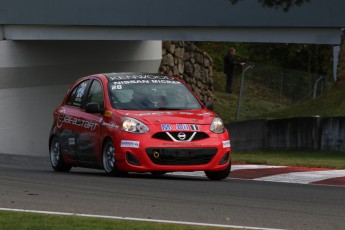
143 98
162 101
139 98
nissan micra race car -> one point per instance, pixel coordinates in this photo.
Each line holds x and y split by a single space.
137 122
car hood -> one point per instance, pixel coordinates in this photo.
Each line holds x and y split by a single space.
201 117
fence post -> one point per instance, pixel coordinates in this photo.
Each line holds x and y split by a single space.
250 66
315 86
281 85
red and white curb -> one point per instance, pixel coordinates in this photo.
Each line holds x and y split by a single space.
286 174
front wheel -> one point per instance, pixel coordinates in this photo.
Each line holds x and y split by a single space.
109 162
56 158
219 175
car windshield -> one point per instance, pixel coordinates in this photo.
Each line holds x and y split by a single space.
151 94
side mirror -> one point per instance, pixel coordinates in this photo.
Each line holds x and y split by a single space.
93 108
209 105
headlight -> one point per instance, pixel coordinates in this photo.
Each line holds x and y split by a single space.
133 126
217 125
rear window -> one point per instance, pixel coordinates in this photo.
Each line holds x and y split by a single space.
78 93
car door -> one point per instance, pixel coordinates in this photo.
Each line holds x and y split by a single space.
69 120
88 141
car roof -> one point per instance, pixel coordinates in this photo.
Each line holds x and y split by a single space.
137 76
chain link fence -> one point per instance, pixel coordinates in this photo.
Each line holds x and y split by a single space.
285 84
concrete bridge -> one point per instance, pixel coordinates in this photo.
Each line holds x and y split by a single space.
46 44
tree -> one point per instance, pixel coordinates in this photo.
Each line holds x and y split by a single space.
284 4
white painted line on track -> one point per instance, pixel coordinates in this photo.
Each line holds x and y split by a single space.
303 177
137 219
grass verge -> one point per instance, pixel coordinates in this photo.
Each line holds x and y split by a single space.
334 160
10 220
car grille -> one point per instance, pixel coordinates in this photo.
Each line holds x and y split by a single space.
174 136
181 156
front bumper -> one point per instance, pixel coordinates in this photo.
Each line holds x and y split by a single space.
151 154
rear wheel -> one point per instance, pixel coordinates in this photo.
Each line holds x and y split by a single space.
109 160
56 158
219 175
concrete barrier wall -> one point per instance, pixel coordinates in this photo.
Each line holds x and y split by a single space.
292 134
333 134
300 133
247 135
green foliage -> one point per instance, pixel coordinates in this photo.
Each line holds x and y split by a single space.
310 58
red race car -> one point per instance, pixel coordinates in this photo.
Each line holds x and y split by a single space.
137 122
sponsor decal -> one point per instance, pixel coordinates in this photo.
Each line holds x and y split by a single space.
194 127
182 127
186 113
179 127
204 114
110 125
140 77
108 113
118 84
114 87
71 141
166 127
153 114
165 82
226 144
196 114
80 90
75 121
181 144
130 144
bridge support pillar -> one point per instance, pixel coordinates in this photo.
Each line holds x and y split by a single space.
35 75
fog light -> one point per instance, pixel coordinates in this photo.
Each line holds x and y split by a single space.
131 159
225 159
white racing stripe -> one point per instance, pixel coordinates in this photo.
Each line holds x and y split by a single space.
137 219
304 177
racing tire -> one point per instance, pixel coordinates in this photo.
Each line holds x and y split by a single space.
219 175
109 160
56 159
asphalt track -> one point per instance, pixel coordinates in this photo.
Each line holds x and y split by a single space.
28 182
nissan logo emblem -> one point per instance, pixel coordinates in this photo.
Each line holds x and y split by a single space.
181 136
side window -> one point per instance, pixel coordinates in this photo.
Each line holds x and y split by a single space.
96 94
76 97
